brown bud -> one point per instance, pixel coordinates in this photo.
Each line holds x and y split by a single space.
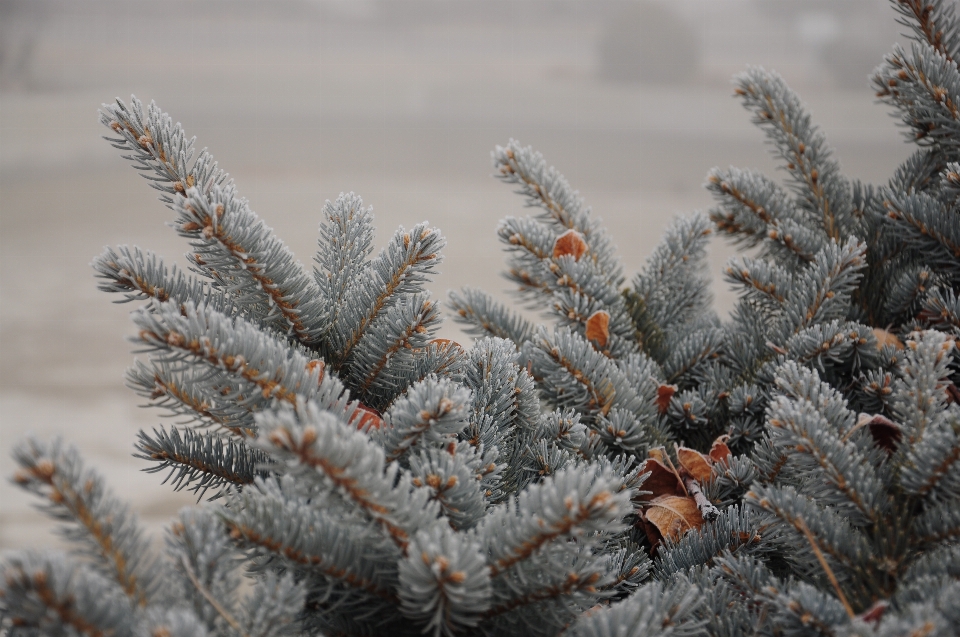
886 338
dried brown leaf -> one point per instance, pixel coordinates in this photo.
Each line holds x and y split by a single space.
662 479
673 515
885 432
694 463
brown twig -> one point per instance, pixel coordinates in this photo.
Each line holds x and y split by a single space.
826 566
207 595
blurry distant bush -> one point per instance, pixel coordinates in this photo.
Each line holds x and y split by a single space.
647 42
846 37
20 24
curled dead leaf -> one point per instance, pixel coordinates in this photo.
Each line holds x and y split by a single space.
662 480
598 328
719 449
653 535
570 242
694 463
673 515
885 432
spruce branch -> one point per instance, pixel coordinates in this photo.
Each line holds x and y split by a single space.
345 244
941 310
847 480
909 287
918 399
933 22
502 389
273 520
485 317
263 367
445 581
815 176
735 531
673 284
159 149
201 461
656 609
931 447
804 609
698 346
201 589
51 594
822 291
429 415
198 395
140 274
274 607
925 88
400 269
754 210
926 226
761 282
551 268
408 325
573 503
248 261
96 520
836 548
833 344
573 374
547 189
322 448
453 476
231 244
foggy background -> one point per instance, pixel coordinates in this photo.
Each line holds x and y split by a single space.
400 101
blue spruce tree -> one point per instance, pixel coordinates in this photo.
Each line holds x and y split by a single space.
632 466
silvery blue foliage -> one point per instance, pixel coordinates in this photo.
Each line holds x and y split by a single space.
366 478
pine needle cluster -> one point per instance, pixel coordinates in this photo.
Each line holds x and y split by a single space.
633 465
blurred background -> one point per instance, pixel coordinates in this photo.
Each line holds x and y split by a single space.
400 101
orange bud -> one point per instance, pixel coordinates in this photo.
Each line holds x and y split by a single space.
886 338
598 328
664 394
445 343
570 242
366 418
317 364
